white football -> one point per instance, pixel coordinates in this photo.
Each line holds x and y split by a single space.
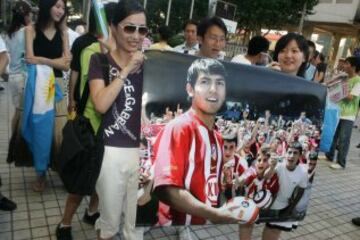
263 198
243 208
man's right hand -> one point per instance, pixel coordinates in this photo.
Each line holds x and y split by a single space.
273 160
224 215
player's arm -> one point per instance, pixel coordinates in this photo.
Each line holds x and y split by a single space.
239 181
271 170
295 198
183 201
255 132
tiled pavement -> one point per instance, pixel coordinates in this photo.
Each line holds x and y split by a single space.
335 200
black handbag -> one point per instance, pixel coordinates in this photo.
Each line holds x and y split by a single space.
81 150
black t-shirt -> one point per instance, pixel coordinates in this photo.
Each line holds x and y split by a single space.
121 123
78 46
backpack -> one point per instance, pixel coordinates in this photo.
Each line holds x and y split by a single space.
81 149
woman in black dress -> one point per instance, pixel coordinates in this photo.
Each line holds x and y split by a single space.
47 44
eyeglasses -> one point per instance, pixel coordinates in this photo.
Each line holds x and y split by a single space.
130 29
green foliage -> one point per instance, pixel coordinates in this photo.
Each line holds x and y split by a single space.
251 15
180 10
176 40
272 14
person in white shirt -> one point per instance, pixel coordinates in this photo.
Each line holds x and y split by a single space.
256 53
4 59
293 180
15 43
5 203
191 45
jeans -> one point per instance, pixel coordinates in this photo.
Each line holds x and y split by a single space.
341 141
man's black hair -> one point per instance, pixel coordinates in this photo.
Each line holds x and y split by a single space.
313 155
164 33
311 44
204 65
230 140
354 62
190 22
258 44
205 24
297 146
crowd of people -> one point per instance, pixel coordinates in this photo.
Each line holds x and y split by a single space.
193 161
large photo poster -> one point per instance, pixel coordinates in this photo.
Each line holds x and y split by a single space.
265 122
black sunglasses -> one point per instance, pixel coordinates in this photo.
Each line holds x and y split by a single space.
130 29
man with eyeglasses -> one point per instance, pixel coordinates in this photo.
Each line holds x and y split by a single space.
212 38
293 180
256 52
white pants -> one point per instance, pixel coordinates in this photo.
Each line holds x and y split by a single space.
16 86
117 190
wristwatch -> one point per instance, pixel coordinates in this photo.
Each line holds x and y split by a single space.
121 76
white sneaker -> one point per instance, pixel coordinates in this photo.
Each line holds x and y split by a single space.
335 166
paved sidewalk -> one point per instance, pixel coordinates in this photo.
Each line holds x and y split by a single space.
335 200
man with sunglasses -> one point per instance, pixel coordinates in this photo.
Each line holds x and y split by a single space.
293 180
256 52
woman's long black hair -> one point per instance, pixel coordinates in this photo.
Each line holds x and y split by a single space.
18 19
44 14
302 44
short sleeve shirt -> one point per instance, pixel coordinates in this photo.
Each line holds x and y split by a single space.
187 158
288 181
349 108
121 124
2 45
241 59
254 184
16 48
89 112
79 45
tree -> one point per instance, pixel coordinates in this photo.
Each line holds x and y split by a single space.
180 10
271 14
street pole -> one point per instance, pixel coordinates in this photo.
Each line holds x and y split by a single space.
145 3
3 12
212 8
303 13
168 13
191 9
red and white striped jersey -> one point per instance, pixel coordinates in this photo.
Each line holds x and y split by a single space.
253 184
236 165
188 155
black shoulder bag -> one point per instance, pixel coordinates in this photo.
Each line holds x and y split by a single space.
81 150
